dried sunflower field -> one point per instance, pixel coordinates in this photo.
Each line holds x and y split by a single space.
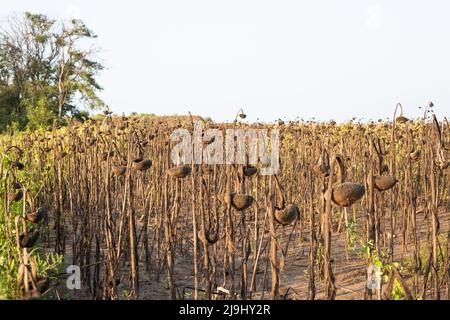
356 211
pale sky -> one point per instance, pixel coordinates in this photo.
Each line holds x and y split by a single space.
276 59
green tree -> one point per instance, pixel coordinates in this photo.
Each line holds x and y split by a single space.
48 70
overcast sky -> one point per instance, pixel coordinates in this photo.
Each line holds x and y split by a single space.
320 58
